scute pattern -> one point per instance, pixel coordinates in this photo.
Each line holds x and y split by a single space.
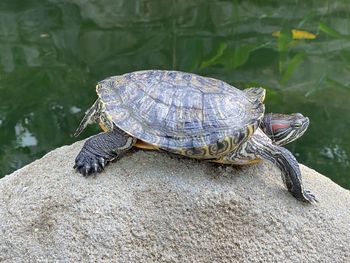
180 112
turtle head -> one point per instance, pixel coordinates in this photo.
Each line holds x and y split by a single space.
284 128
91 116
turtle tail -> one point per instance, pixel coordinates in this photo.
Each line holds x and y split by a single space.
91 116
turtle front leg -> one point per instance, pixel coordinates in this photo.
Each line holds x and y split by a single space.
291 175
101 149
289 166
260 147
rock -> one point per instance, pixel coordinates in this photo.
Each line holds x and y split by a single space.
153 207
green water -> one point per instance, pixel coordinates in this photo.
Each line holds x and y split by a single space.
53 52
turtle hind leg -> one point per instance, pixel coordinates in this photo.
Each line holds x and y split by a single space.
91 116
101 149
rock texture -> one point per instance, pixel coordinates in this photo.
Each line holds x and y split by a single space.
152 207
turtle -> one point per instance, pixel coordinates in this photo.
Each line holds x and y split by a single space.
193 116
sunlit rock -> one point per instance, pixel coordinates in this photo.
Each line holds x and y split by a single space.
152 207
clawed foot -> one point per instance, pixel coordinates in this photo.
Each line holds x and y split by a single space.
307 196
101 149
87 163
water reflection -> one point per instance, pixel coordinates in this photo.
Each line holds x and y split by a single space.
53 52
337 154
24 136
74 110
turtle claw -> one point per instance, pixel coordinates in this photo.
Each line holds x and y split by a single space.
96 168
305 196
87 170
309 197
102 162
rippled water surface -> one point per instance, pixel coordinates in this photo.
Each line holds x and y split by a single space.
53 52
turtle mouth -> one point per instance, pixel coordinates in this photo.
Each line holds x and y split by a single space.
304 125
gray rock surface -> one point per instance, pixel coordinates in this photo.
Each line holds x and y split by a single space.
152 207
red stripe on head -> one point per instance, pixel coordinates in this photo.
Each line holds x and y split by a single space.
277 126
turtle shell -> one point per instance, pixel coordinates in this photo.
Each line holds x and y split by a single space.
181 112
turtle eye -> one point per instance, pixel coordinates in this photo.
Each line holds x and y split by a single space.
297 123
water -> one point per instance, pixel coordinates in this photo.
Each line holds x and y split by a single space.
53 52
